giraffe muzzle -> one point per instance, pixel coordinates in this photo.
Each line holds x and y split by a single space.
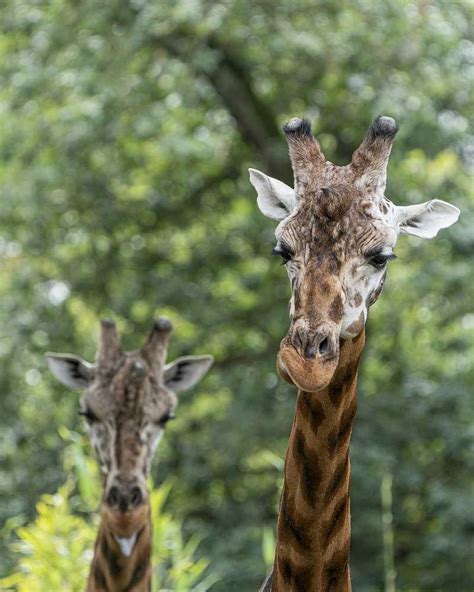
124 499
308 357
321 343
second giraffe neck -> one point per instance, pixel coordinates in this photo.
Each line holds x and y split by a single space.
112 570
313 532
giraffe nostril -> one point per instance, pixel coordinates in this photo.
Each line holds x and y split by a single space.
310 352
136 496
323 346
112 498
297 339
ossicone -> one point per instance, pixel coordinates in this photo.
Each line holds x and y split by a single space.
155 349
298 127
370 160
307 159
109 343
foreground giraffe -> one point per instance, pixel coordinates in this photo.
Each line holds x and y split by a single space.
129 399
336 234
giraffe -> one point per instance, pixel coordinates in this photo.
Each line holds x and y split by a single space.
336 234
129 398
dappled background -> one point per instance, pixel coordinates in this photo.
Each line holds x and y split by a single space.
127 130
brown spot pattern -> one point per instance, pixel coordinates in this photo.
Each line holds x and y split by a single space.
138 574
99 577
312 410
336 522
340 435
340 213
111 558
310 471
337 479
341 383
336 309
336 569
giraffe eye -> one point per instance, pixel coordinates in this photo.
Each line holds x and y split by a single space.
282 251
166 418
379 260
89 415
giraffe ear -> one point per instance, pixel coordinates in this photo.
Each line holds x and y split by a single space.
275 199
72 371
185 372
427 219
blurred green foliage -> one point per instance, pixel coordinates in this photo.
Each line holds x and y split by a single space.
127 130
55 551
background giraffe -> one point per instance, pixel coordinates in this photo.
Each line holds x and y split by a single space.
336 235
129 398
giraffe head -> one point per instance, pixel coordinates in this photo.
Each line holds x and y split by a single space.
128 399
336 236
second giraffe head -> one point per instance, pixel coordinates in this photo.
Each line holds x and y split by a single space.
129 398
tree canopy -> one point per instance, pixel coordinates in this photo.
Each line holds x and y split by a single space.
127 130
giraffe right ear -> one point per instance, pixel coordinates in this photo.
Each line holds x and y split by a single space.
275 199
426 219
185 372
72 371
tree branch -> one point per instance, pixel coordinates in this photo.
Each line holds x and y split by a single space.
228 76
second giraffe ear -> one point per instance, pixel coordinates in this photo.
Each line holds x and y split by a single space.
427 219
72 371
275 199
185 372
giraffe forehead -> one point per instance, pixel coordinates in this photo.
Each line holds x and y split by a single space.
353 229
116 399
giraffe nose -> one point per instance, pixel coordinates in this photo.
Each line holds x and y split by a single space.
124 498
321 342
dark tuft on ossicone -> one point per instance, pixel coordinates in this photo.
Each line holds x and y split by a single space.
298 127
383 127
163 324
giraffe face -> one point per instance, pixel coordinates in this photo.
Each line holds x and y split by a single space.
336 236
126 410
128 400
336 268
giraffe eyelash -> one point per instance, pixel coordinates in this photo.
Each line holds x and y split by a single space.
89 416
378 259
166 418
282 251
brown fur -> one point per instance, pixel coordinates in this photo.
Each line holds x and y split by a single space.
125 398
313 532
129 398
338 220
335 239
111 571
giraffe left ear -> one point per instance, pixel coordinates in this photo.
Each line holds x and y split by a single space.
274 199
427 219
72 371
185 372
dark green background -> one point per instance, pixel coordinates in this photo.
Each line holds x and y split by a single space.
127 129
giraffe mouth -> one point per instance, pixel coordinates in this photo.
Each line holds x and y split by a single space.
309 375
125 524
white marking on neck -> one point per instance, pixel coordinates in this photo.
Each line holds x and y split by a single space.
126 544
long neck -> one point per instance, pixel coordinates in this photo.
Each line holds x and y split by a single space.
313 532
111 570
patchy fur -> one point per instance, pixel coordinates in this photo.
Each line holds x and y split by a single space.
335 243
129 398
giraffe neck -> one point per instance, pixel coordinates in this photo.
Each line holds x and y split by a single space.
313 532
111 570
